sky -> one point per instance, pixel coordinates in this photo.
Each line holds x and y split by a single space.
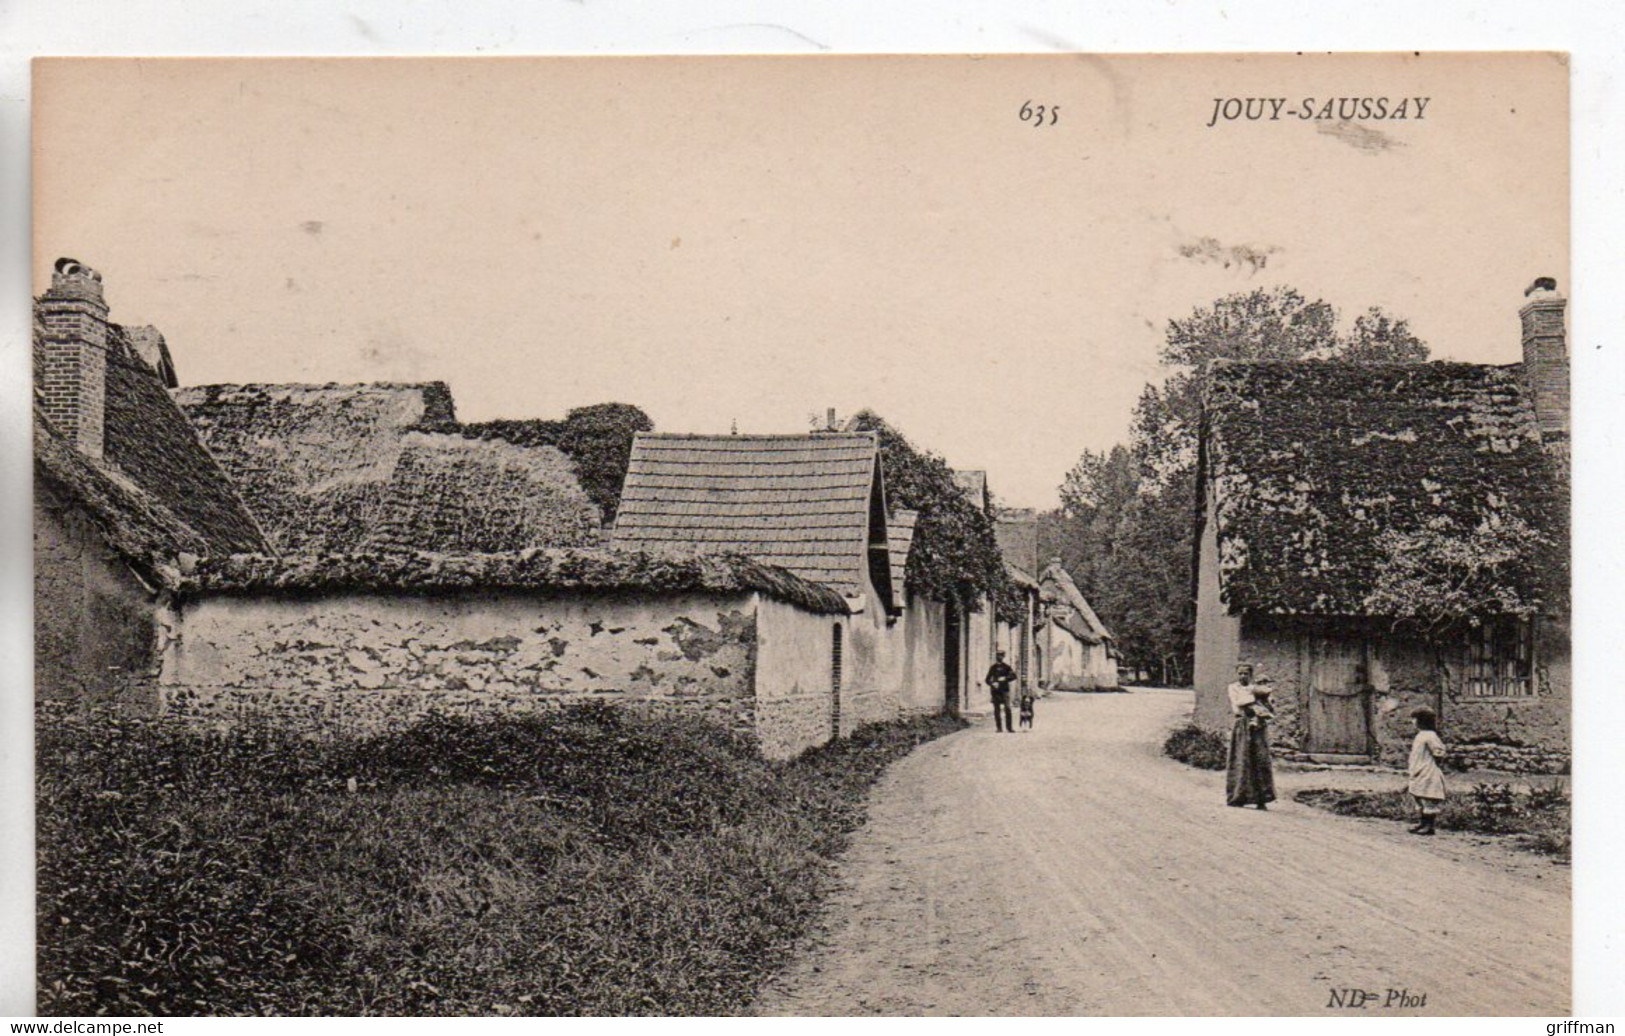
745 242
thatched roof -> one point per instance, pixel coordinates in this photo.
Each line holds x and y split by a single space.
342 468
808 503
596 569
1075 615
145 533
1309 463
457 495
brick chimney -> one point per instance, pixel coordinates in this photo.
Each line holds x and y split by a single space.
1546 358
72 376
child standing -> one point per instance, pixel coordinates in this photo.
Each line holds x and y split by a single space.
1427 780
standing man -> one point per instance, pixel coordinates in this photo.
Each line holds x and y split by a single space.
999 678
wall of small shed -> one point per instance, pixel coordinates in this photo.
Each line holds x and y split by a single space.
96 628
1066 659
925 684
865 695
794 677
362 662
979 633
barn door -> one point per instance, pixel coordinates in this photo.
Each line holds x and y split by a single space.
1339 701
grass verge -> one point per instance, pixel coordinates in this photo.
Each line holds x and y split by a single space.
590 861
1538 818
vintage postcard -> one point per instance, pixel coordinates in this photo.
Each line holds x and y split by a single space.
952 535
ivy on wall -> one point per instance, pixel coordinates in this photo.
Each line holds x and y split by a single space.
597 438
955 555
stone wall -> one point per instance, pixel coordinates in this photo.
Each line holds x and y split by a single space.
96 628
794 655
1529 734
1405 673
360 662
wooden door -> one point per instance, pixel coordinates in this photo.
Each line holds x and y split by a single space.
1339 697
951 648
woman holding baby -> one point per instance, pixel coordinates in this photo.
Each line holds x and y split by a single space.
1251 777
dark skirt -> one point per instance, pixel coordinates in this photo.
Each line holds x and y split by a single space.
1251 778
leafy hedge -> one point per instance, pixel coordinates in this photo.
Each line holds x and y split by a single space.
955 554
591 861
1196 747
597 438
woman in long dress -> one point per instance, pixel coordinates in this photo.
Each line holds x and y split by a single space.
1250 780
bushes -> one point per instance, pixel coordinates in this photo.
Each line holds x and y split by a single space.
1196 747
1540 816
592 861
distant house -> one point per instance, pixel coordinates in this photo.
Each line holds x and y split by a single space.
375 467
126 500
1371 537
1016 530
1076 652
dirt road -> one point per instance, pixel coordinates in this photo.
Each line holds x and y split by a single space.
1074 870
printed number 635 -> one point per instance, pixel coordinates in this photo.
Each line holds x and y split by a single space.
1034 113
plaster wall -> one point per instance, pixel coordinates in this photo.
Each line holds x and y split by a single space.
794 653
96 628
865 695
1218 633
371 661
924 688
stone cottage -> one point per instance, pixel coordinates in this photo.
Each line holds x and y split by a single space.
125 498
1381 537
1075 650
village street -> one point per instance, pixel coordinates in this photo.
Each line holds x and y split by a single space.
1074 870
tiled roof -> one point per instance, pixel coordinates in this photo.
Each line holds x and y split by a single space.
899 538
148 438
1311 463
1017 532
802 502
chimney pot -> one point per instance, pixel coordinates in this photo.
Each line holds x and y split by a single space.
1545 372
